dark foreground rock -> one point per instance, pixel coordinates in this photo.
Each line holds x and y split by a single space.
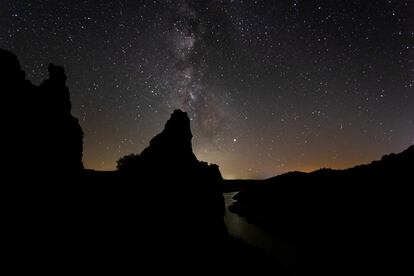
42 139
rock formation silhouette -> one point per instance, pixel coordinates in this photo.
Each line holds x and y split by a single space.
44 154
173 143
169 168
62 129
170 150
45 139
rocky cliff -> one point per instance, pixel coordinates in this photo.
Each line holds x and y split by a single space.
43 137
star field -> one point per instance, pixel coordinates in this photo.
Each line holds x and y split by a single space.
270 86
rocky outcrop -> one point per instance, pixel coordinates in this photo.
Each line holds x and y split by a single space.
189 192
62 130
170 156
45 139
172 147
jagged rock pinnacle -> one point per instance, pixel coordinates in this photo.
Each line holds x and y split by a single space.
174 142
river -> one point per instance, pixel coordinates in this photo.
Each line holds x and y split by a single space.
292 259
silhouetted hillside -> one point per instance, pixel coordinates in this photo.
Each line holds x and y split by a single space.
354 221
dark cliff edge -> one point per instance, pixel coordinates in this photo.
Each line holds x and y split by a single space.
354 221
42 138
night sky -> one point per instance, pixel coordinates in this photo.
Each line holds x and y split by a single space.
270 86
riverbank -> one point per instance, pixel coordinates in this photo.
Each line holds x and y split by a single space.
287 255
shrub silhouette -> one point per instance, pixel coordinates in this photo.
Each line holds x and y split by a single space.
128 163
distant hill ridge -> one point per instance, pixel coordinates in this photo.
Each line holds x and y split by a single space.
401 162
352 221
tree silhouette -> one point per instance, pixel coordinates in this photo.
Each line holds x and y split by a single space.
128 163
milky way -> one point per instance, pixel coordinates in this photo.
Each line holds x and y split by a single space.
186 81
270 86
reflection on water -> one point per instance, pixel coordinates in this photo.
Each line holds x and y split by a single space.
286 254
240 228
